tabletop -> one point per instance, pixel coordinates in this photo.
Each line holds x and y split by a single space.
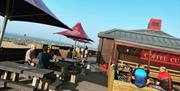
38 72
14 67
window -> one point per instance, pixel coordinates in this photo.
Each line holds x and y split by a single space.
155 24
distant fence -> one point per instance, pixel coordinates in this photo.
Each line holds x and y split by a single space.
14 54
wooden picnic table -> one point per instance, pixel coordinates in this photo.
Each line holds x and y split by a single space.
39 75
15 68
68 67
61 69
71 60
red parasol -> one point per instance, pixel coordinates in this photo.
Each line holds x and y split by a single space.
78 33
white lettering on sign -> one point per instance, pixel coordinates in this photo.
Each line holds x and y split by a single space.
160 57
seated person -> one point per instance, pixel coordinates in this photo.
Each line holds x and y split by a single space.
140 76
43 58
50 52
165 80
30 56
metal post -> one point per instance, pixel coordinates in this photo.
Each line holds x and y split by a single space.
84 44
149 61
3 29
74 49
78 43
4 22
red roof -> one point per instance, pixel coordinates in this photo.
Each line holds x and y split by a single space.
78 33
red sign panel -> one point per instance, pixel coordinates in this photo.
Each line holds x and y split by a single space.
160 58
154 24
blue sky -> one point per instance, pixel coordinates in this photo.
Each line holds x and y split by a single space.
101 15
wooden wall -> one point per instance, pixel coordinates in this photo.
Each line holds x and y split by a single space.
9 54
105 50
134 56
14 54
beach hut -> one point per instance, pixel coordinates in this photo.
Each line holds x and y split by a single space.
154 48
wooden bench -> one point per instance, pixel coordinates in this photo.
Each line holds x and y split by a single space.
20 86
20 61
124 86
55 86
155 70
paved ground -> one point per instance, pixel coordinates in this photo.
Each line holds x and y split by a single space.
94 80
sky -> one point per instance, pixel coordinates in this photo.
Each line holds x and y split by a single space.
102 15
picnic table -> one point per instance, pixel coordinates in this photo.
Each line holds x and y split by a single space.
67 67
61 69
39 75
15 68
71 60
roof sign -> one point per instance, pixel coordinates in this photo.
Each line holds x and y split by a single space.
154 24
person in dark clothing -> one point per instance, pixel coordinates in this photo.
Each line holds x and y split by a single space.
116 72
140 76
50 52
43 58
86 53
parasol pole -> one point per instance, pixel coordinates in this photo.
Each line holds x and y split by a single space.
74 49
4 23
3 29
84 44
78 43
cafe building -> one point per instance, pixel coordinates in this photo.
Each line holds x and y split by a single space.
151 47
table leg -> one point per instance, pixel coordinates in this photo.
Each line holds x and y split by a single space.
88 66
83 71
45 86
52 90
34 82
1 73
7 75
15 76
73 79
40 84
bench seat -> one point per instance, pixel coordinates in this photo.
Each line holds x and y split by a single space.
20 86
56 85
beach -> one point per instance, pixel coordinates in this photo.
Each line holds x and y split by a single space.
7 44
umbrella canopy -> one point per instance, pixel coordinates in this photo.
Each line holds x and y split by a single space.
78 33
27 10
